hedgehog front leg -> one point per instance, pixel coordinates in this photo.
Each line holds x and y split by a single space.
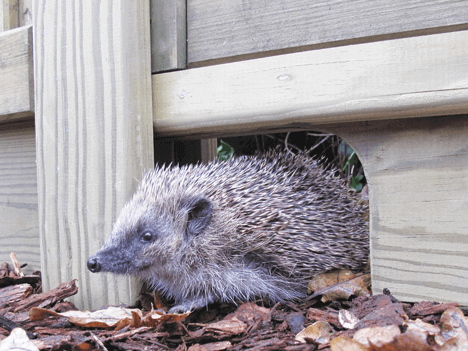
191 304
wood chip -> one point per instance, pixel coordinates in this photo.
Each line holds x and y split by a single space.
14 294
314 314
16 265
48 298
425 308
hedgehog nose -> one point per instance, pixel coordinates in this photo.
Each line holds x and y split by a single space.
93 265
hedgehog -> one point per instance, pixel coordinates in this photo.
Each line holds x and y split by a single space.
228 231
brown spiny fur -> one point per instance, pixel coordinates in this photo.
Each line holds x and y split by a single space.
226 231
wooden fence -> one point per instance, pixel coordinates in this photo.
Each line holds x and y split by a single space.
76 135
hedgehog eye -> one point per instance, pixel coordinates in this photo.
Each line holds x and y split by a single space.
147 236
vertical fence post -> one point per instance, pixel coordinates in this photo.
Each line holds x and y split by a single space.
94 134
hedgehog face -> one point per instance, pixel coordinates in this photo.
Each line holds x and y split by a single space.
146 238
137 242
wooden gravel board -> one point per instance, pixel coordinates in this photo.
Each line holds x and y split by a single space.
225 29
18 195
403 78
94 134
417 171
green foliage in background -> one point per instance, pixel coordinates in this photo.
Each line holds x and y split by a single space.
225 151
352 163
356 183
327 147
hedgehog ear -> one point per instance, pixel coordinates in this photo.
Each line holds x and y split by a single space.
199 215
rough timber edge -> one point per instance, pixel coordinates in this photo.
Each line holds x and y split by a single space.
237 29
94 135
16 97
401 78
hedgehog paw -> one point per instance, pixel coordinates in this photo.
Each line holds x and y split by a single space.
191 305
181 309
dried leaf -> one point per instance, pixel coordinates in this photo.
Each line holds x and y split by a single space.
84 346
342 343
422 330
109 317
377 335
249 311
231 326
347 319
324 280
454 324
407 342
197 347
214 346
340 284
225 327
454 344
318 332
156 317
112 317
18 341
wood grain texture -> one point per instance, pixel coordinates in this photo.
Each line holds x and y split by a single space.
417 171
220 29
209 149
411 77
18 195
168 35
16 75
9 18
15 13
25 12
94 133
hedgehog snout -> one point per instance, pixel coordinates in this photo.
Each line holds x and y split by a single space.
94 265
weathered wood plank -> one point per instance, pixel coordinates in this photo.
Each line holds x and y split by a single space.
18 195
15 13
9 18
25 12
16 75
94 133
417 171
168 35
223 29
411 77
209 149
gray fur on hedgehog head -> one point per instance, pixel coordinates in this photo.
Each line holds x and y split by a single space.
231 231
